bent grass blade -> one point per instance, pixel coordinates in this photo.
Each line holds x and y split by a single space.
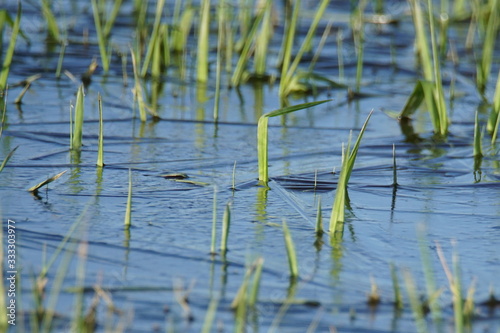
34 189
262 136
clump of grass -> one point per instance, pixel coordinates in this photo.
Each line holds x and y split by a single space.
100 143
101 38
484 63
246 297
76 132
432 88
348 159
290 251
128 210
9 54
262 136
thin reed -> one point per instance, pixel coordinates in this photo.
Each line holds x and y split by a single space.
100 142
9 54
226 223
290 251
77 125
128 210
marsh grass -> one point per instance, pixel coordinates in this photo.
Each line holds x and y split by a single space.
494 118
34 189
398 299
262 40
128 210
486 58
262 136
210 316
430 90
290 251
203 42
478 147
154 44
416 304
2 123
318 229
226 223
214 223
27 85
9 54
77 121
52 27
61 58
357 23
289 81
348 159
101 37
100 143
138 91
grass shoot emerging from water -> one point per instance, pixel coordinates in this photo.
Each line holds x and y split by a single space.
128 210
4 73
77 123
290 251
100 143
262 136
226 222
34 189
348 159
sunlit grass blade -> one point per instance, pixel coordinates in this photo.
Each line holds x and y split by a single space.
262 41
290 251
254 291
478 149
7 158
128 210
484 65
154 42
415 303
101 38
290 71
210 316
202 52
110 20
138 90
77 127
34 189
181 31
100 143
398 299
9 54
262 136
349 158
52 27
226 222
494 119
319 220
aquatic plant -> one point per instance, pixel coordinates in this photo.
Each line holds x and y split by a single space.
348 159
318 229
100 143
101 38
76 132
290 251
202 52
52 27
34 189
128 210
154 44
494 118
432 88
483 67
226 222
214 223
262 136
9 54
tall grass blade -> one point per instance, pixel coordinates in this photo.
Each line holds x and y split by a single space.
138 90
290 251
415 303
60 60
202 52
100 143
494 118
214 223
226 222
7 158
101 38
254 291
398 299
154 42
349 158
77 132
319 220
52 27
210 316
9 54
34 189
484 65
478 148
285 82
128 210
262 41
110 21
180 35
262 136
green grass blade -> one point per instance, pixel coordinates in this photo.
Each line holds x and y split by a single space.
76 142
210 316
110 21
128 210
415 303
226 222
9 54
421 40
203 39
398 299
262 136
478 149
138 90
7 158
34 189
52 27
290 251
413 102
254 291
484 66
288 43
319 220
214 223
153 41
262 41
494 117
100 143
101 39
